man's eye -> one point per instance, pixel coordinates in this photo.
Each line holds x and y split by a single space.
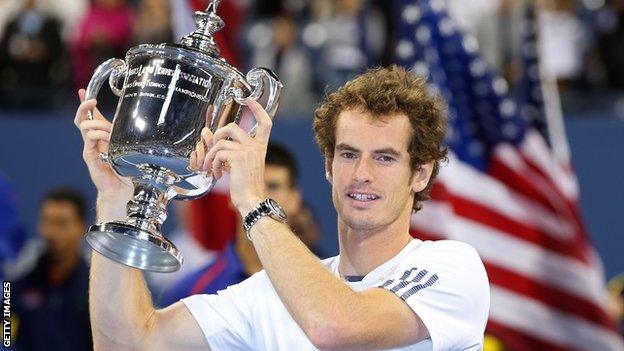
386 159
348 155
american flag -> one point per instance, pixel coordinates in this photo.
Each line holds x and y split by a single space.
505 193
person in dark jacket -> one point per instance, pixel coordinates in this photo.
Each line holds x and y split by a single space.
51 302
31 60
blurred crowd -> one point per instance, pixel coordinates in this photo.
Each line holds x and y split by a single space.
49 48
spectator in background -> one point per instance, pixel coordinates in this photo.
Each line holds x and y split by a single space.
67 12
30 59
481 19
153 23
281 177
498 26
239 260
8 9
50 302
347 41
563 40
274 43
611 42
105 31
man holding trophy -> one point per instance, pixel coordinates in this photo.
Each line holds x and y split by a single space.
381 135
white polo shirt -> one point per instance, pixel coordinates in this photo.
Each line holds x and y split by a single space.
444 282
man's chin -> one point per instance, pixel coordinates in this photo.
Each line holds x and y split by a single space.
360 222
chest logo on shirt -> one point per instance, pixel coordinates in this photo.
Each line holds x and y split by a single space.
410 282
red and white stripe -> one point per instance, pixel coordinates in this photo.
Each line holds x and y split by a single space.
522 216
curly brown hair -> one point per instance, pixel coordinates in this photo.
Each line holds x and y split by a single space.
382 92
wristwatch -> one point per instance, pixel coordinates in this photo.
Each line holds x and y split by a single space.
268 207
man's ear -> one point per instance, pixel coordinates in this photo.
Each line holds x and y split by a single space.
421 177
297 199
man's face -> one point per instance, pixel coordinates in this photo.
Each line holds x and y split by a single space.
61 226
373 184
279 187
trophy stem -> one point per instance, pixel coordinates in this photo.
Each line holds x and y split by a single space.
148 207
137 242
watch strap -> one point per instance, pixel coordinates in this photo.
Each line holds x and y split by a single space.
262 209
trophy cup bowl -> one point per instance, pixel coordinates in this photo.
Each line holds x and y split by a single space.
168 93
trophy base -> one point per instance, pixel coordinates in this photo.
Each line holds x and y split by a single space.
134 247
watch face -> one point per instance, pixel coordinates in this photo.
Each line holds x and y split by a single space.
277 208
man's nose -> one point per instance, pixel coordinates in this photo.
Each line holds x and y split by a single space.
363 170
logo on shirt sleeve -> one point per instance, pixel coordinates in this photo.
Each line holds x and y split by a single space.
410 282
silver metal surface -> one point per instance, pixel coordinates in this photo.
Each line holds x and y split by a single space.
134 247
207 23
168 94
112 67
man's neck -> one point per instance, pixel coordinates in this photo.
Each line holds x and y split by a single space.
361 252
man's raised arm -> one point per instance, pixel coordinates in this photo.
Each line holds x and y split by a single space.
122 314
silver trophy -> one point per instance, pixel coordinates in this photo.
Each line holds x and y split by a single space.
168 93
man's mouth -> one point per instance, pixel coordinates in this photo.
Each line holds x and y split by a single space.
363 197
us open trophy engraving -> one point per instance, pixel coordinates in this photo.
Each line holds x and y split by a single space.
168 93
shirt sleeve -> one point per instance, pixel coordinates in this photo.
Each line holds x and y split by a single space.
447 287
225 318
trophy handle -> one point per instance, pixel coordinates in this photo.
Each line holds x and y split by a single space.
263 82
115 69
